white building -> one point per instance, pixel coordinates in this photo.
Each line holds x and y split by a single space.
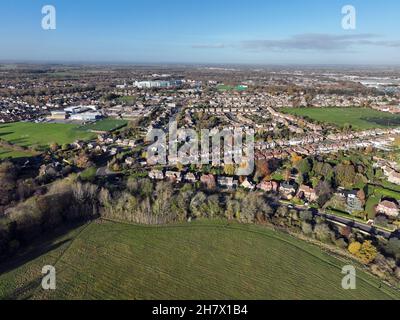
86 116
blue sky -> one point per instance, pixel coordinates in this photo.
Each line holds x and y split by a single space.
202 31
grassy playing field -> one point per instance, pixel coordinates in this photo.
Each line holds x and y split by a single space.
201 260
128 100
223 88
359 118
105 125
9 153
41 134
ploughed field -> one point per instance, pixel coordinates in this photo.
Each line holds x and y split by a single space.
358 118
201 260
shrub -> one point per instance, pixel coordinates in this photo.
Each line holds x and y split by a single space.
341 243
306 228
397 273
306 216
88 175
324 233
366 251
354 247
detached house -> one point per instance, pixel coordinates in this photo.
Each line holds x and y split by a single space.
394 177
288 189
354 203
388 208
173 176
227 182
268 186
247 185
78 144
156 175
129 161
208 180
190 177
91 145
307 193
352 199
114 151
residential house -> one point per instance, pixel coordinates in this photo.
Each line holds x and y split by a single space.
247 185
394 177
190 177
131 143
129 161
388 208
51 169
101 138
125 143
353 201
227 182
109 140
156 175
78 144
208 180
91 145
114 151
307 193
104 149
173 176
268 186
341 192
288 189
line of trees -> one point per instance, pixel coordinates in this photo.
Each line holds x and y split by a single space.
143 201
66 202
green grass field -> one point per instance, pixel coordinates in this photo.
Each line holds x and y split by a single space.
201 260
128 100
372 201
9 153
223 88
41 134
359 118
383 192
105 125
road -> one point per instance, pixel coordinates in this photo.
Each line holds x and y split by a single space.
361 226
351 223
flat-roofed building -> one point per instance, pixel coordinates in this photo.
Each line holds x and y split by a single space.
58 115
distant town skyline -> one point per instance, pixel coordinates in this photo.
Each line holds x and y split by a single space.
202 32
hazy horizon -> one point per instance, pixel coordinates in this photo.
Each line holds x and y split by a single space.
188 32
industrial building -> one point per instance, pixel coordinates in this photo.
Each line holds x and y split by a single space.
157 84
77 113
